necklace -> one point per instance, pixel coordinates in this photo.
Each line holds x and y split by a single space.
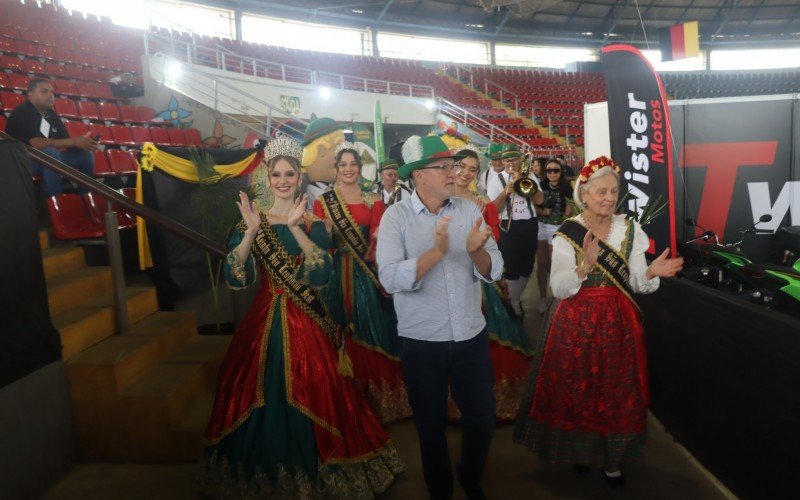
591 227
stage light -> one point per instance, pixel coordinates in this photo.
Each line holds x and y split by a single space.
430 104
174 70
325 92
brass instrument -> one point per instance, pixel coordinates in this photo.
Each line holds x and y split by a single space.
524 186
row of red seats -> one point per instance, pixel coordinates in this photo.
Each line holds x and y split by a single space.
136 135
12 82
105 111
114 162
76 217
57 69
27 49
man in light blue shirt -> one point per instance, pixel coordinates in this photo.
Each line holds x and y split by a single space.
433 249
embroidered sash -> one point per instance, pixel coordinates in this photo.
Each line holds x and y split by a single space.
613 265
349 231
282 270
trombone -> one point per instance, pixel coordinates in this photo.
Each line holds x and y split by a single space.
524 186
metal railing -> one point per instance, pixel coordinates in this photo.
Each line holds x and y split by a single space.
218 57
112 229
247 110
501 93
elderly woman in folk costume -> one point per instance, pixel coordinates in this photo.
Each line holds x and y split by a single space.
355 294
287 421
509 344
586 402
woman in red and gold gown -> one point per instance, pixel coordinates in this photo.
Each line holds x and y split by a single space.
286 421
509 344
355 296
586 401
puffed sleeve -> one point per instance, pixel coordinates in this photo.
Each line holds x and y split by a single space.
564 281
317 266
319 211
492 218
637 264
238 275
376 213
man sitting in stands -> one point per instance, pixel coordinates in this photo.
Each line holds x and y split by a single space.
36 123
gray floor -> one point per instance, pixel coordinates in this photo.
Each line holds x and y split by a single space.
666 472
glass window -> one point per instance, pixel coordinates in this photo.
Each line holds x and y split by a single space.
755 59
304 36
169 14
690 64
541 57
432 49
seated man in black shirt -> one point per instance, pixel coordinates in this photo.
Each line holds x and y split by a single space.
36 123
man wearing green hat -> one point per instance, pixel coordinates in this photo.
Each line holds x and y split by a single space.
432 249
390 190
494 153
518 240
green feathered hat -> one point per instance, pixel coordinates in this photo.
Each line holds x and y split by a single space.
420 151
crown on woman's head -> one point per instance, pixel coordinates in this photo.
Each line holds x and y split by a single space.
346 146
470 146
595 165
283 145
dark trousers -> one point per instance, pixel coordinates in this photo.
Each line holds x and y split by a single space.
427 369
518 248
78 159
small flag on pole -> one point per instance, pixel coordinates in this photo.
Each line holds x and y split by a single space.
680 41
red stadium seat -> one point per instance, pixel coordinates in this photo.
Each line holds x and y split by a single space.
73 71
65 87
85 89
4 81
193 137
177 136
54 69
97 207
76 128
122 162
101 167
70 218
88 110
10 100
2 122
160 136
12 63
26 48
46 52
141 135
109 111
103 91
146 113
66 108
18 82
130 193
128 113
122 135
99 129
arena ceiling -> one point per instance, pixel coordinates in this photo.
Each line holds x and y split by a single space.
594 22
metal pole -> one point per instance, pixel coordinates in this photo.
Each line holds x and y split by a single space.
117 273
216 97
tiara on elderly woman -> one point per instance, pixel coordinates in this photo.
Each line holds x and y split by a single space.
595 165
346 146
283 145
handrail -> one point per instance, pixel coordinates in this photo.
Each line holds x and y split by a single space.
120 199
470 119
212 92
193 53
503 91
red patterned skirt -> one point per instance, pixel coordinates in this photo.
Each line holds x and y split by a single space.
586 400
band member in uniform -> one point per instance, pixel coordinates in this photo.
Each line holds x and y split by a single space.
355 295
494 152
518 224
586 401
390 190
287 420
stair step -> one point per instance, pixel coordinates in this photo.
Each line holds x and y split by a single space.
208 350
197 415
75 288
58 261
83 327
44 239
171 386
119 361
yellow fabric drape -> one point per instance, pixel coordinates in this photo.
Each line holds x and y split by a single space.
180 168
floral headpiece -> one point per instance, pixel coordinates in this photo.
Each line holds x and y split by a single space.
595 165
346 146
283 146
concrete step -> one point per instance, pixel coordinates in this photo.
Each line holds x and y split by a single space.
208 350
165 391
75 288
197 415
112 365
83 327
58 261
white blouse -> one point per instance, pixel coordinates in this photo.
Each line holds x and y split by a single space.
564 279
